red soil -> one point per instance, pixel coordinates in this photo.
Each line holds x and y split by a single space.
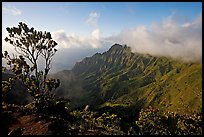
28 125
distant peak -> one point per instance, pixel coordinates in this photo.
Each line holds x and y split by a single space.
117 47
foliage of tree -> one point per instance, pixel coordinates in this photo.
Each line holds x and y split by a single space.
30 45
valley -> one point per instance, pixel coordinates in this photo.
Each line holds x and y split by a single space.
129 91
121 77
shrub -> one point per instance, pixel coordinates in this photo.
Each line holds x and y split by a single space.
154 122
90 123
48 104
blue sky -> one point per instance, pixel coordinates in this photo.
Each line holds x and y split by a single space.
83 28
114 16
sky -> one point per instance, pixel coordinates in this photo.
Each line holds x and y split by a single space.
83 28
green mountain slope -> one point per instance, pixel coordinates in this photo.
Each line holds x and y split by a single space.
119 77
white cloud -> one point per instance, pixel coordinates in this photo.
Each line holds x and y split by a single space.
93 19
74 41
168 38
186 24
11 10
95 41
96 34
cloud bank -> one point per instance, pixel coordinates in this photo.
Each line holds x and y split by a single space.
74 41
169 38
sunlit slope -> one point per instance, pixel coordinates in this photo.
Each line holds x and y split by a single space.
121 77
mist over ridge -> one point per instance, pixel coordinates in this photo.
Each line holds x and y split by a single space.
173 37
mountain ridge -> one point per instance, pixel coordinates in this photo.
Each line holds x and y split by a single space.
120 76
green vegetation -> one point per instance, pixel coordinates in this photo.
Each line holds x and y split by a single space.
150 121
118 85
123 77
154 122
30 45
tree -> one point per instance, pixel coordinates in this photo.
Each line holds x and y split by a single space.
30 44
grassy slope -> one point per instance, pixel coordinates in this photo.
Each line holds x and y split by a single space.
119 77
180 92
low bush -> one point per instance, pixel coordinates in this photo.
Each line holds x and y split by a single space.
154 122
